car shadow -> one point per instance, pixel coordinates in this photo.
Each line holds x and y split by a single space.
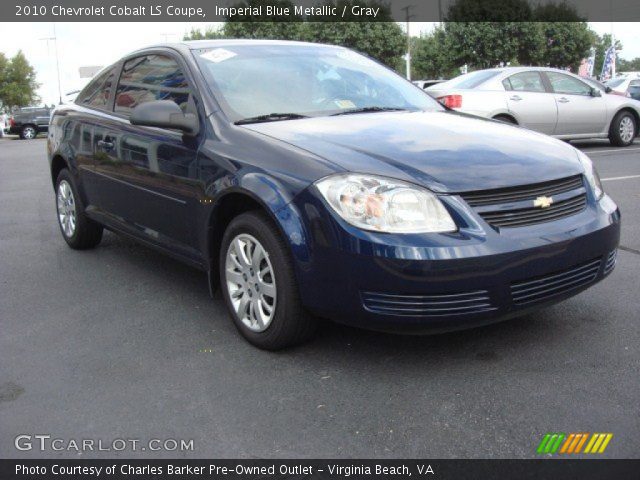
485 344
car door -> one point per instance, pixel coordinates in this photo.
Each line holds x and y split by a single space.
531 104
149 174
579 112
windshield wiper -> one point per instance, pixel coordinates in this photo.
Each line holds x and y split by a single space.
271 117
370 109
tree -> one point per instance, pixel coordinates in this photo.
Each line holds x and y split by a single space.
556 12
383 39
489 11
629 65
567 43
273 27
209 33
18 84
486 33
431 58
482 44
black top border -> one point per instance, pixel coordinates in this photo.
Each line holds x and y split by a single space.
319 10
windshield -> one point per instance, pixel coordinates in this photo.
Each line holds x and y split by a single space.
593 83
304 80
469 80
615 83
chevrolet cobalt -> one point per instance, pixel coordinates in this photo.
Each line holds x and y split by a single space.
310 181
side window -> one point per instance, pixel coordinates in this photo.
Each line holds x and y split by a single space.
634 89
524 82
148 78
97 93
562 83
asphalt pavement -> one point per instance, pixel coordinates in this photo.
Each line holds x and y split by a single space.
122 342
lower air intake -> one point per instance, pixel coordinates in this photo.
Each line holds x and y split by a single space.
428 305
540 289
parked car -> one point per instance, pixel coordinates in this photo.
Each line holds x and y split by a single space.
4 124
426 83
625 84
324 182
546 100
29 121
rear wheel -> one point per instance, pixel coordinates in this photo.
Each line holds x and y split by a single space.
78 231
28 132
258 284
623 129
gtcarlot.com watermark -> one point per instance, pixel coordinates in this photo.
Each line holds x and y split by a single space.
47 442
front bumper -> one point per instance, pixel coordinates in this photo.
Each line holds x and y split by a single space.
441 282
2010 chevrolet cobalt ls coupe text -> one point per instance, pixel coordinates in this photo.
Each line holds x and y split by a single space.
309 178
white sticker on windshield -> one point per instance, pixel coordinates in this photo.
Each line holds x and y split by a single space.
218 55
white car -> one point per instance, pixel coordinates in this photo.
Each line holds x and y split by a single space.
426 83
4 124
547 100
624 84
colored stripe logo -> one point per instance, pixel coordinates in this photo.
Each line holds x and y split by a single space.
573 443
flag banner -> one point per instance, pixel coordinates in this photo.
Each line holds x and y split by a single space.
609 64
586 65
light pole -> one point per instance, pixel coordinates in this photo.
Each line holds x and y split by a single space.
55 40
408 17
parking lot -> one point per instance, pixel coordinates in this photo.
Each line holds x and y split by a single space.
122 342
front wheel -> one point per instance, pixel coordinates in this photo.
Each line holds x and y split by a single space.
623 129
78 231
28 133
258 284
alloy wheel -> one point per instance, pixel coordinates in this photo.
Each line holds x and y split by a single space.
626 129
66 209
29 133
251 282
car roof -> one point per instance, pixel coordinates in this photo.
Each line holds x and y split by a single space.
229 42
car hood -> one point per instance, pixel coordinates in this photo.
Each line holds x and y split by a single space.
445 151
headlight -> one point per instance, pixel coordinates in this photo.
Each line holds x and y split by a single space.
592 175
385 205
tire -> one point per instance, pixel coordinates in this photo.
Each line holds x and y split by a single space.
623 129
505 119
28 132
82 233
286 324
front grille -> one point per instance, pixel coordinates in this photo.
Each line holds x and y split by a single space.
526 192
428 305
530 216
611 262
490 204
542 288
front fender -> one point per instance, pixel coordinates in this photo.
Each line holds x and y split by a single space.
275 200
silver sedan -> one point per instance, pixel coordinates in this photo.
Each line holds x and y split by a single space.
547 100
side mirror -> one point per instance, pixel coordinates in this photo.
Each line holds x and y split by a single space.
595 92
164 114
608 89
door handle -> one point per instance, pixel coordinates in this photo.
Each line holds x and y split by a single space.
515 98
105 145
563 100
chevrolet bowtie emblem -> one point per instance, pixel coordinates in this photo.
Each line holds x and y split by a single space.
543 202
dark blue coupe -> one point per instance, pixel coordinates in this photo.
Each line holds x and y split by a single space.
310 181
